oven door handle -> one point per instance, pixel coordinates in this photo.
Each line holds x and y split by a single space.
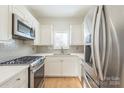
34 70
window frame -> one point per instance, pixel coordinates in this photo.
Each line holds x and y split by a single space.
68 39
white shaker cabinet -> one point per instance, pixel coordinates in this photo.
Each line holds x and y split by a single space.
23 12
5 23
20 80
19 10
36 25
62 66
76 34
70 66
46 34
53 67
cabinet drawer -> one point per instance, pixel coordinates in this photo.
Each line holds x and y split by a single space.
20 80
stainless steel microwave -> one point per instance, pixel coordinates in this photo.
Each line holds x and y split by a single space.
22 29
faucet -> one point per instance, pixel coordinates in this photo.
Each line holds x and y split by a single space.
62 50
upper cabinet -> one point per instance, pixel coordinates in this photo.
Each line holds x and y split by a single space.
46 32
22 11
5 23
19 10
36 25
30 19
76 34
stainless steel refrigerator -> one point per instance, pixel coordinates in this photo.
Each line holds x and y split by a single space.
104 47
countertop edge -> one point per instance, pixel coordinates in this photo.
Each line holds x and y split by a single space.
17 72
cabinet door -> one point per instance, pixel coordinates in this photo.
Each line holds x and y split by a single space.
76 35
37 32
5 20
22 12
70 66
19 80
46 34
53 67
19 10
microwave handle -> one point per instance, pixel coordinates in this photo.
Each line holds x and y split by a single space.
32 32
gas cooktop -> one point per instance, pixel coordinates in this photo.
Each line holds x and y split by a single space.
23 60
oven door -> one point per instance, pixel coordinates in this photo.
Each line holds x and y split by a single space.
39 77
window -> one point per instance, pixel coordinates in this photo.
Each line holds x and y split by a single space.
61 40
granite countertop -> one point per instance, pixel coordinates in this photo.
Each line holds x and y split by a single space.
43 54
7 72
80 55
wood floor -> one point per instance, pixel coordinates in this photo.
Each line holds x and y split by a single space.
65 82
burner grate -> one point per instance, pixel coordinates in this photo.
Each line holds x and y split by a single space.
22 60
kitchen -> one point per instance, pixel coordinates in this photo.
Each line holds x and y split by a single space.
56 46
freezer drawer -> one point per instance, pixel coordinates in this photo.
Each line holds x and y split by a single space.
89 82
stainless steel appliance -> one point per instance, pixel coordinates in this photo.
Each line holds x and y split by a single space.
89 64
89 81
106 31
22 29
36 68
37 74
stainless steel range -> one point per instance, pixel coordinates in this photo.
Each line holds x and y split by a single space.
36 68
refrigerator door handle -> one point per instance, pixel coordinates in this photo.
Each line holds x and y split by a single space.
93 39
104 40
97 43
108 45
108 53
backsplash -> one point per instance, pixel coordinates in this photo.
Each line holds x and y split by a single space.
20 48
15 49
49 49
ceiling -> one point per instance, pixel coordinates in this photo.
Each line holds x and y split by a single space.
57 11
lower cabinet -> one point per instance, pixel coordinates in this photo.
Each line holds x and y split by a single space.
69 68
20 80
62 66
53 68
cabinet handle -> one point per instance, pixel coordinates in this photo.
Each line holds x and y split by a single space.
18 79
